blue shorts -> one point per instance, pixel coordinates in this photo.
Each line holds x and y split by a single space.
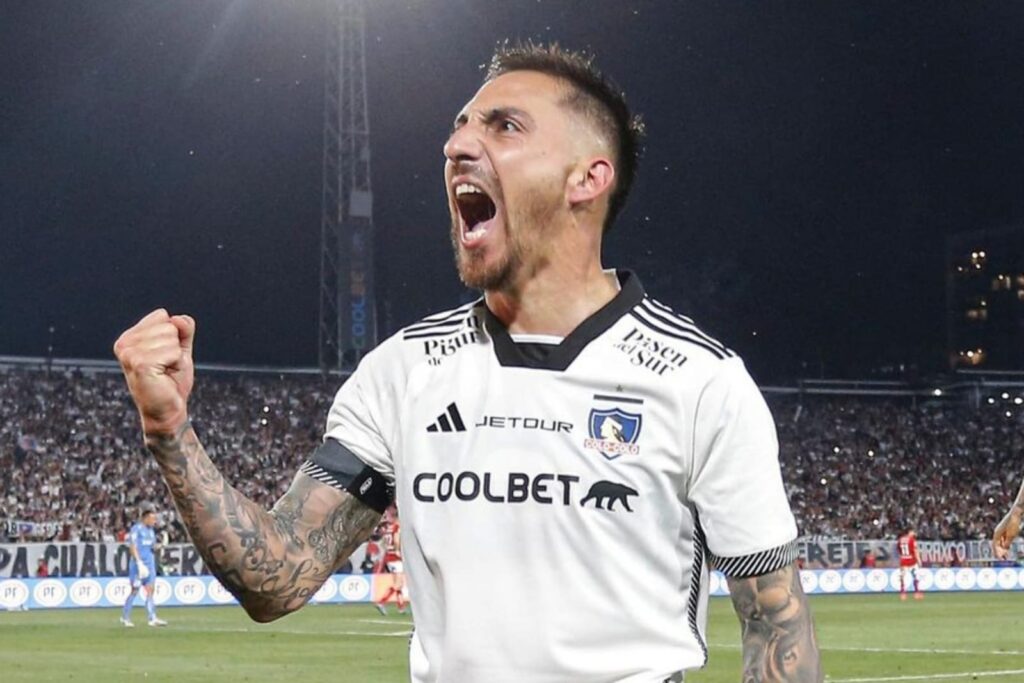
133 573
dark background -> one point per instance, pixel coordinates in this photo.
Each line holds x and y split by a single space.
805 162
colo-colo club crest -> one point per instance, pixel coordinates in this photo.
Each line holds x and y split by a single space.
613 430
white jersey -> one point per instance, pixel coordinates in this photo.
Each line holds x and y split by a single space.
560 510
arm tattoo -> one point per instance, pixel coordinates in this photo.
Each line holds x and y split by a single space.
779 643
272 562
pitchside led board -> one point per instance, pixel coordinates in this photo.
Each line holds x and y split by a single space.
177 591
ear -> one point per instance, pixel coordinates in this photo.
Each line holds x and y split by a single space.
590 181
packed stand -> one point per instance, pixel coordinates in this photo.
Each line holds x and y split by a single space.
866 468
75 469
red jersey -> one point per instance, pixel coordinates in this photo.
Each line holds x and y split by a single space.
907 545
390 539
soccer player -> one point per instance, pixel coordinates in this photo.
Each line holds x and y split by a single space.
909 562
142 566
391 540
523 509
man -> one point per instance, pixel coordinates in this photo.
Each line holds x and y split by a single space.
1009 527
487 424
142 566
391 562
909 562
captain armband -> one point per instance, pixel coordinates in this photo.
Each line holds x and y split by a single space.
337 466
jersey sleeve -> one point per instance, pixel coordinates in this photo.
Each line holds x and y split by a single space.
736 484
355 454
135 536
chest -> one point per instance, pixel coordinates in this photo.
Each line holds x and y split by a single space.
599 434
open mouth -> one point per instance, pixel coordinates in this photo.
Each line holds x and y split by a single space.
476 209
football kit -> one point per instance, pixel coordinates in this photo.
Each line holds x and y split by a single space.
562 503
907 545
143 538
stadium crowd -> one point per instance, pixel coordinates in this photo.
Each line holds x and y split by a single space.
74 464
75 469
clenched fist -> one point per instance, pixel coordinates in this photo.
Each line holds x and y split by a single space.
156 357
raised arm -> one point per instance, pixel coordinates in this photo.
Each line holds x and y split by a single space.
273 562
779 643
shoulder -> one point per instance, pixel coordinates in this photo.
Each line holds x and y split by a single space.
444 323
660 322
433 336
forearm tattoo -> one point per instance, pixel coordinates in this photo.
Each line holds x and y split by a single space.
779 643
272 562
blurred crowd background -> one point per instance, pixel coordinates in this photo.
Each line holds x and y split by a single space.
74 468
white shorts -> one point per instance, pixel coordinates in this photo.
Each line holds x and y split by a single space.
395 566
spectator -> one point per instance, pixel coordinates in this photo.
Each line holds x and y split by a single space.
855 468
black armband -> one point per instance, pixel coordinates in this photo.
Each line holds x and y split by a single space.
337 466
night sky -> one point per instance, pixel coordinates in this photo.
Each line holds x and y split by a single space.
804 164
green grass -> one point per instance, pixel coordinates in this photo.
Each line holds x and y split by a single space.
862 637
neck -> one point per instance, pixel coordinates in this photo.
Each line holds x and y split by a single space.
553 300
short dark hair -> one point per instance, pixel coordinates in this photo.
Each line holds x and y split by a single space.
593 95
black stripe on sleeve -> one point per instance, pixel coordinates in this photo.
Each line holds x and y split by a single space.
757 564
337 466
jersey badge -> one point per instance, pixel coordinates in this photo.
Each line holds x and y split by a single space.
613 430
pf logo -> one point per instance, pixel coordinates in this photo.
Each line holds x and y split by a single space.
611 492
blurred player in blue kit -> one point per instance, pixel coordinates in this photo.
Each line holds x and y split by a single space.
142 566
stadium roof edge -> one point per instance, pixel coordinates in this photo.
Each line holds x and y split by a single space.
94 365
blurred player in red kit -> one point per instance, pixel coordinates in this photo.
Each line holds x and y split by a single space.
391 542
909 562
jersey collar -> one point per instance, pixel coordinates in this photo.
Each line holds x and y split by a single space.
561 357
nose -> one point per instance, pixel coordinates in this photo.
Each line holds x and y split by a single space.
463 144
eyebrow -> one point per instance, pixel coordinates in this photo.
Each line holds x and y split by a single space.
495 114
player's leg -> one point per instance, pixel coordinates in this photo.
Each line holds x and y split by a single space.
382 603
903 582
133 579
399 587
154 620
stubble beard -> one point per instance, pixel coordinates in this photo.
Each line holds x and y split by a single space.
530 221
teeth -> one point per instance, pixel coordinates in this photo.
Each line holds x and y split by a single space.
475 234
466 188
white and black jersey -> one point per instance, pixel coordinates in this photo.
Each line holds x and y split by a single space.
562 503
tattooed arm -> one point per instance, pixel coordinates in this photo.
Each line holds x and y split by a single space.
273 562
779 643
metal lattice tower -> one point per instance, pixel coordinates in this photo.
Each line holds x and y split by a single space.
348 314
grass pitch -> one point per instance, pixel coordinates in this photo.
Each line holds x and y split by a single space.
864 639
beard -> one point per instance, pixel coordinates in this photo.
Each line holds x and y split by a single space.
524 231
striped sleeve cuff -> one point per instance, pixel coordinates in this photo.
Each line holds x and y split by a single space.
756 564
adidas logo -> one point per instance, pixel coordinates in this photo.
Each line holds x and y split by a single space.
448 421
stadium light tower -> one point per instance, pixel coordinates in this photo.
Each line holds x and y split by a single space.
348 314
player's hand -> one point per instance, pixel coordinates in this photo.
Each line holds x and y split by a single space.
143 572
156 357
1006 531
